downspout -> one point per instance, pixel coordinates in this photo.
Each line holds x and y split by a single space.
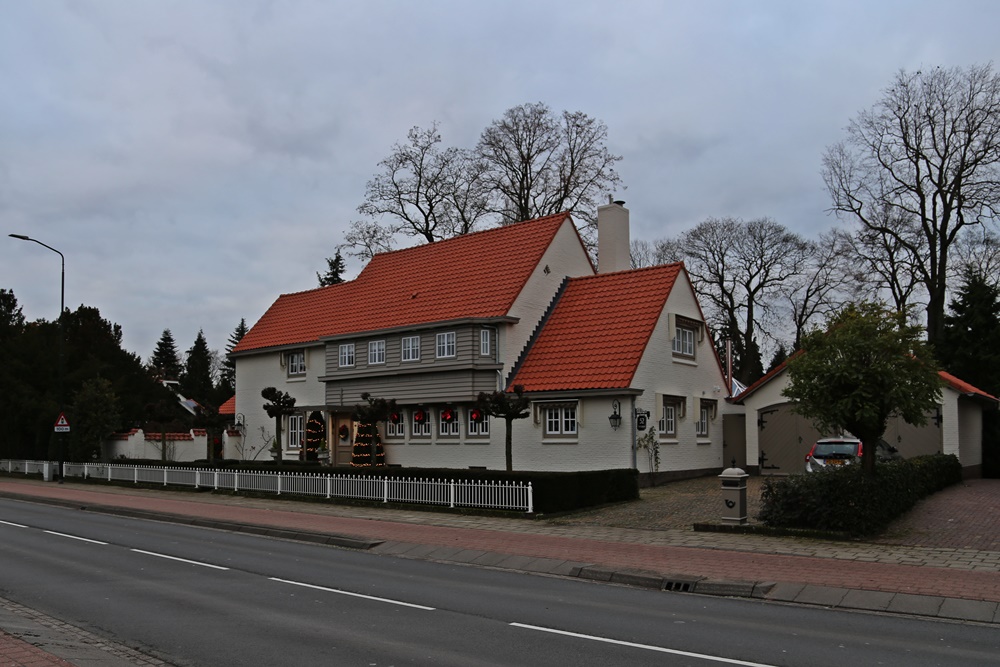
631 413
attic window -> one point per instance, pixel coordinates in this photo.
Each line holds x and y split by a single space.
295 362
686 334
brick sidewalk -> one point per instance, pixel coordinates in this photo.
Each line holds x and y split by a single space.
16 652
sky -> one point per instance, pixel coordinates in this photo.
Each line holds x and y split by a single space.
194 159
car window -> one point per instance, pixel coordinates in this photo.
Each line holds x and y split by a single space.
827 449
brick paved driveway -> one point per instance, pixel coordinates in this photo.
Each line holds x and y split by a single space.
965 516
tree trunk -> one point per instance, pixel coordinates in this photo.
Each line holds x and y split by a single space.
508 444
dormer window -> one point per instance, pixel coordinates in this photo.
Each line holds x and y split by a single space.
686 334
295 362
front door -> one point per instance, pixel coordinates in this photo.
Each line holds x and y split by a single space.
343 433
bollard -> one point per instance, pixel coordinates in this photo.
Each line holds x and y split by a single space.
734 496
47 471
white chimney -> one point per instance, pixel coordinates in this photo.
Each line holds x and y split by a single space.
614 251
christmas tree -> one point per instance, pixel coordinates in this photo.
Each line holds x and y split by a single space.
368 451
315 435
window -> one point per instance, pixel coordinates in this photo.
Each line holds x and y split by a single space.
421 422
484 342
395 429
684 341
295 431
448 421
296 362
411 348
671 410
479 422
701 427
560 420
445 345
376 352
347 354
668 419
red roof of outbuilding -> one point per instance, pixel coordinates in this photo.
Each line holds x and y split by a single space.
473 276
964 387
597 332
229 407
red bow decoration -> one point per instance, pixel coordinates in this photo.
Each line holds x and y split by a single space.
419 416
448 415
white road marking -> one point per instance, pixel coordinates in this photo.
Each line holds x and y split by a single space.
16 525
182 560
356 595
75 537
647 647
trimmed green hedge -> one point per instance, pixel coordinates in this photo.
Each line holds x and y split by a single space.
552 491
846 500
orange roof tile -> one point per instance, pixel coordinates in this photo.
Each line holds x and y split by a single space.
964 387
476 275
229 407
589 341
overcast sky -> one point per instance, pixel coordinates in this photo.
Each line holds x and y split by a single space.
194 160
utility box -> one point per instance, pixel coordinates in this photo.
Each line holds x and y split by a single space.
734 496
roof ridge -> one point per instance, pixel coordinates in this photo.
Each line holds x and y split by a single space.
491 230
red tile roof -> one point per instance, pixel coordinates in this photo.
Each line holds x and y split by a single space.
963 387
476 275
598 331
229 407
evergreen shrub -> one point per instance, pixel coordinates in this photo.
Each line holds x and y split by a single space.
846 500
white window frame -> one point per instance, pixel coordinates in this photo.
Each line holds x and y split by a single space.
480 427
376 352
668 419
484 343
397 430
410 348
445 345
345 357
296 428
561 420
701 426
420 430
684 340
449 429
295 362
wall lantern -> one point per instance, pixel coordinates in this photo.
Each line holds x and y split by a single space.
616 415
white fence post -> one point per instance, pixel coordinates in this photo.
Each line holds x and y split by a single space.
531 500
280 476
329 486
451 494
385 489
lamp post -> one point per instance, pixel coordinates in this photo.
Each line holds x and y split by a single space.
62 336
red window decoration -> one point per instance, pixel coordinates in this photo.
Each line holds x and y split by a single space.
447 415
394 417
344 432
419 416
476 415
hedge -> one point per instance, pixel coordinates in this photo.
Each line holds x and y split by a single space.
846 500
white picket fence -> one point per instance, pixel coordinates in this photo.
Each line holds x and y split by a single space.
515 496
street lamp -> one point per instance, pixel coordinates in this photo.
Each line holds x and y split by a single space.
62 334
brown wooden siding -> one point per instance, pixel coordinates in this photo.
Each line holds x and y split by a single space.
459 385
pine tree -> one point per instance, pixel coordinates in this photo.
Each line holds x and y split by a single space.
970 345
165 362
227 376
368 450
334 271
315 435
196 379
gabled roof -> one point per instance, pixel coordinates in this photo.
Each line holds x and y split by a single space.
229 407
961 386
473 276
595 336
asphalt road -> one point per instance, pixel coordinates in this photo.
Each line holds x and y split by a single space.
194 596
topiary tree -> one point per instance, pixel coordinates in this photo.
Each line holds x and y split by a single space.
869 364
508 406
368 451
279 404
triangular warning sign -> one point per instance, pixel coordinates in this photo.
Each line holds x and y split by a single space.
62 420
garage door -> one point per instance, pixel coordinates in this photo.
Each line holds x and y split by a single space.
784 439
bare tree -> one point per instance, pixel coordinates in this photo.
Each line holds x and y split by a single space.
738 269
828 280
367 238
641 253
538 163
886 259
980 255
428 192
929 151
